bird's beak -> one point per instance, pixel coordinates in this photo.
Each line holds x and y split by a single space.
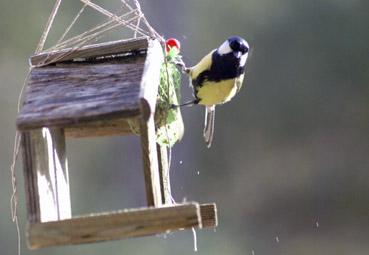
237 54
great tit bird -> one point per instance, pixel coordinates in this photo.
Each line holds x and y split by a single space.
217 78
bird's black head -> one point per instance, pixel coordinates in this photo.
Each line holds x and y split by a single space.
238 44
233 52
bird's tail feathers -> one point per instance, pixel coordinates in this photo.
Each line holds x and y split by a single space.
209 125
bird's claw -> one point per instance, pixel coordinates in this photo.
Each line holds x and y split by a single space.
180 64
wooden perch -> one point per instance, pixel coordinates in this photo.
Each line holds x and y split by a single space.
209 215
112 226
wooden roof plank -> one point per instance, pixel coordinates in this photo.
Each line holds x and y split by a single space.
95 50
63 95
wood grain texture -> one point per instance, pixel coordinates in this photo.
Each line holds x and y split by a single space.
46 175
69 94
30 178
150 162
99 128
148 95
166 195
112 226
91 51
151 78
209 215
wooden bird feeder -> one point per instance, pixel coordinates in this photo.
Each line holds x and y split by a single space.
95 91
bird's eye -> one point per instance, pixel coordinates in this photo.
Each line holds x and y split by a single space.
235 45
238 44
245 50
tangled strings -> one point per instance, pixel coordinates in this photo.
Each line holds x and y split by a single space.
131 17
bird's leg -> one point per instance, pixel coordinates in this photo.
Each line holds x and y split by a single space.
180 64
189 103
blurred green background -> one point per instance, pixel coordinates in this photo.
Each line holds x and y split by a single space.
289 166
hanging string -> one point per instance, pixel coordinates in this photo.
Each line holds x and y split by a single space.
153 32
80 42
138 21
112 16
14 196
49 24
92 32
72 23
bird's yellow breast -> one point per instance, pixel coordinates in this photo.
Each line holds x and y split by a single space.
212 93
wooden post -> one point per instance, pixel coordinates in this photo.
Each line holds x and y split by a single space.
148 95
150 161
166 194
46 175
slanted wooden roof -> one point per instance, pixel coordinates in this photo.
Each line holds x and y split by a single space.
94 83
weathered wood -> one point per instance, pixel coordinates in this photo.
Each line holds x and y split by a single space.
91 51
166 195
99 128
46 175
30 178
112 226
148 94
150 162
69 94
209 215
151 78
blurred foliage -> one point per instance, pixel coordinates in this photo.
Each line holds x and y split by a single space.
289 160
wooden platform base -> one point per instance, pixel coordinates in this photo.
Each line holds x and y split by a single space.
121 224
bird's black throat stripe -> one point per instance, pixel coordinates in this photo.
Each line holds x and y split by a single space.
223 67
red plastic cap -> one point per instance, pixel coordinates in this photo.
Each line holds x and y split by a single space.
172 43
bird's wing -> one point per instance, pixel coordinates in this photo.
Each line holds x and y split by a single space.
203 65
239 81
209 125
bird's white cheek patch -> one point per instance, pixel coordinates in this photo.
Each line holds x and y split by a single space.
224 48
243 59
